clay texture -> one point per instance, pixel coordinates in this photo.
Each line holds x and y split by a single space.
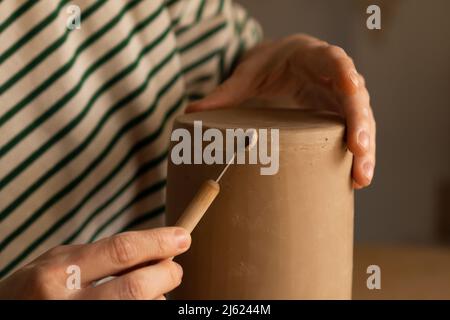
283 236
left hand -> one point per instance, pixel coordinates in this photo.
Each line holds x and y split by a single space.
315 74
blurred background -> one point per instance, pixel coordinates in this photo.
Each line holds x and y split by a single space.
407 68
402 222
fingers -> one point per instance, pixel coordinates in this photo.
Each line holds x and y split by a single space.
147 283
333 68
364 166
360 122
230 93
113 255
361 134
333 64
310 61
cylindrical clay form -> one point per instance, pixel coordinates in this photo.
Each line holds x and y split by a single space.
282 236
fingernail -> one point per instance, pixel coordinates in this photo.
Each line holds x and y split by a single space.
368 170
353 75
364 140
182 238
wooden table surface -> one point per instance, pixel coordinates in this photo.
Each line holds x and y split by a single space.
406 272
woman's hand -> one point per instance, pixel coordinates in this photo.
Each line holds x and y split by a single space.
313 73
140 260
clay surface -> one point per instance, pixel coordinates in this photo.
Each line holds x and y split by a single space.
283 236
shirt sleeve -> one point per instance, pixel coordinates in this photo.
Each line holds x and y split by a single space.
211 35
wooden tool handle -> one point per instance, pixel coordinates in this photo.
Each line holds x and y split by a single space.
198 205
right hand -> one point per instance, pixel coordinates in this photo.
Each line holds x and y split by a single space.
140 260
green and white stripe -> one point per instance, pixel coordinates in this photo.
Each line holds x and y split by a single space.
86 114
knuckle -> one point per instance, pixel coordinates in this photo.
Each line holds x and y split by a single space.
174 271
55 251
42 280
370 158
350 60
335 52
41 274
299 40
297 37
131 289
362 79
366 94
121 249
160 243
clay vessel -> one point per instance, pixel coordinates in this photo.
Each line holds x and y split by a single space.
282 236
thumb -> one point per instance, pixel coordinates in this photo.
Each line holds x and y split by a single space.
230 93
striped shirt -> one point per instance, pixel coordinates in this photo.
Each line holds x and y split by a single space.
86 113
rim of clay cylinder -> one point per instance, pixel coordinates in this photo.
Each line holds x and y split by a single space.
299 126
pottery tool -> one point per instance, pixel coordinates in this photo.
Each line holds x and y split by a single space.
207 193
